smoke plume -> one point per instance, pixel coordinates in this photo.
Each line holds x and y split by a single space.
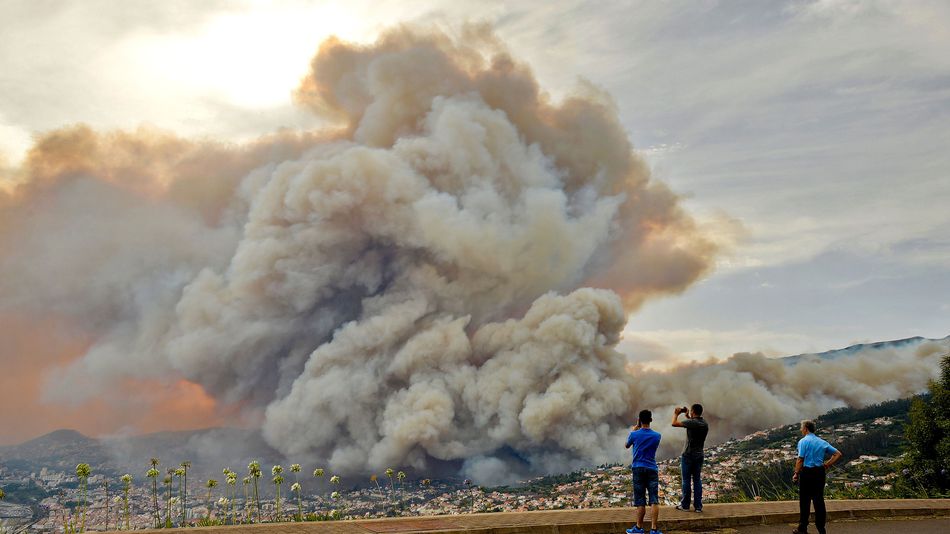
750 392
440 281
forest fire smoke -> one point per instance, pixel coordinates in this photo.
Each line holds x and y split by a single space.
409 289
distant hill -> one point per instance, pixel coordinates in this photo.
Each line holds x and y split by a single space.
57 450
208 449
861 347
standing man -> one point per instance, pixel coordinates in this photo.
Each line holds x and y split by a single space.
810 470
646 477
691 462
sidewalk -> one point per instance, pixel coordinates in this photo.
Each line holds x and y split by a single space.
598 521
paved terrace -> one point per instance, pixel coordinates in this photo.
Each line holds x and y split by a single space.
597 521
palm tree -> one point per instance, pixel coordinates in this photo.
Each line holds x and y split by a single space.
296 489
335 480
278 480
118 511
254 469
295 468
184 496
126 487
82 473
318 472
180 473
167 481
172 503
152 473
211 484
336 497
401 476
374 479
247 511
224 502
231 478
392 485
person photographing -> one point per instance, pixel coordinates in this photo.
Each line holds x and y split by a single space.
691 461
646 480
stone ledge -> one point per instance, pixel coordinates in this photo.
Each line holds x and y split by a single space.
597 521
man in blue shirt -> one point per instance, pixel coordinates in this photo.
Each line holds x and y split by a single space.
646 479
810 474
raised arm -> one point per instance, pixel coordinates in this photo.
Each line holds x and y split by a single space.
676 417
630 436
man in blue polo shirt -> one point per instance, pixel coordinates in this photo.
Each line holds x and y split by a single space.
644 442
810 474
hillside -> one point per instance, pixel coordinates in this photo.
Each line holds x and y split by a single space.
58 450
757 466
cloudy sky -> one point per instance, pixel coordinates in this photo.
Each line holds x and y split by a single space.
819 130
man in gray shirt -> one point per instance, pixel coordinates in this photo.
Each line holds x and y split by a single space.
691 463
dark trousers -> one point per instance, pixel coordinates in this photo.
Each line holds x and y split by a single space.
691 467
811 489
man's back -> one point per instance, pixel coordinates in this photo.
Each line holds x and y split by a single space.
696 431
813 450
644 443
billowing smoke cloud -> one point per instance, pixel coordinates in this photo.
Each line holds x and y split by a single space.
412 289
749 392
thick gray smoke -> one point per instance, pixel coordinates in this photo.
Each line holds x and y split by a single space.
409 290
750 392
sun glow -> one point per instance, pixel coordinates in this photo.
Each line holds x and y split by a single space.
251 59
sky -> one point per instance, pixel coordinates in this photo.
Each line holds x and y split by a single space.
816 131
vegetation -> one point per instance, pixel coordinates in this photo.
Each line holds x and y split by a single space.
247 511
167 481
254 471
770 482
913 460
841 416
295 468
184 494
82 473
126 487
230 489
211 484
926 466
278 480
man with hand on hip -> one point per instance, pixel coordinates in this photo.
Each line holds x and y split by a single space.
810 470
646 479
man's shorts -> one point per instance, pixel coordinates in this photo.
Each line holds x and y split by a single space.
645 480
